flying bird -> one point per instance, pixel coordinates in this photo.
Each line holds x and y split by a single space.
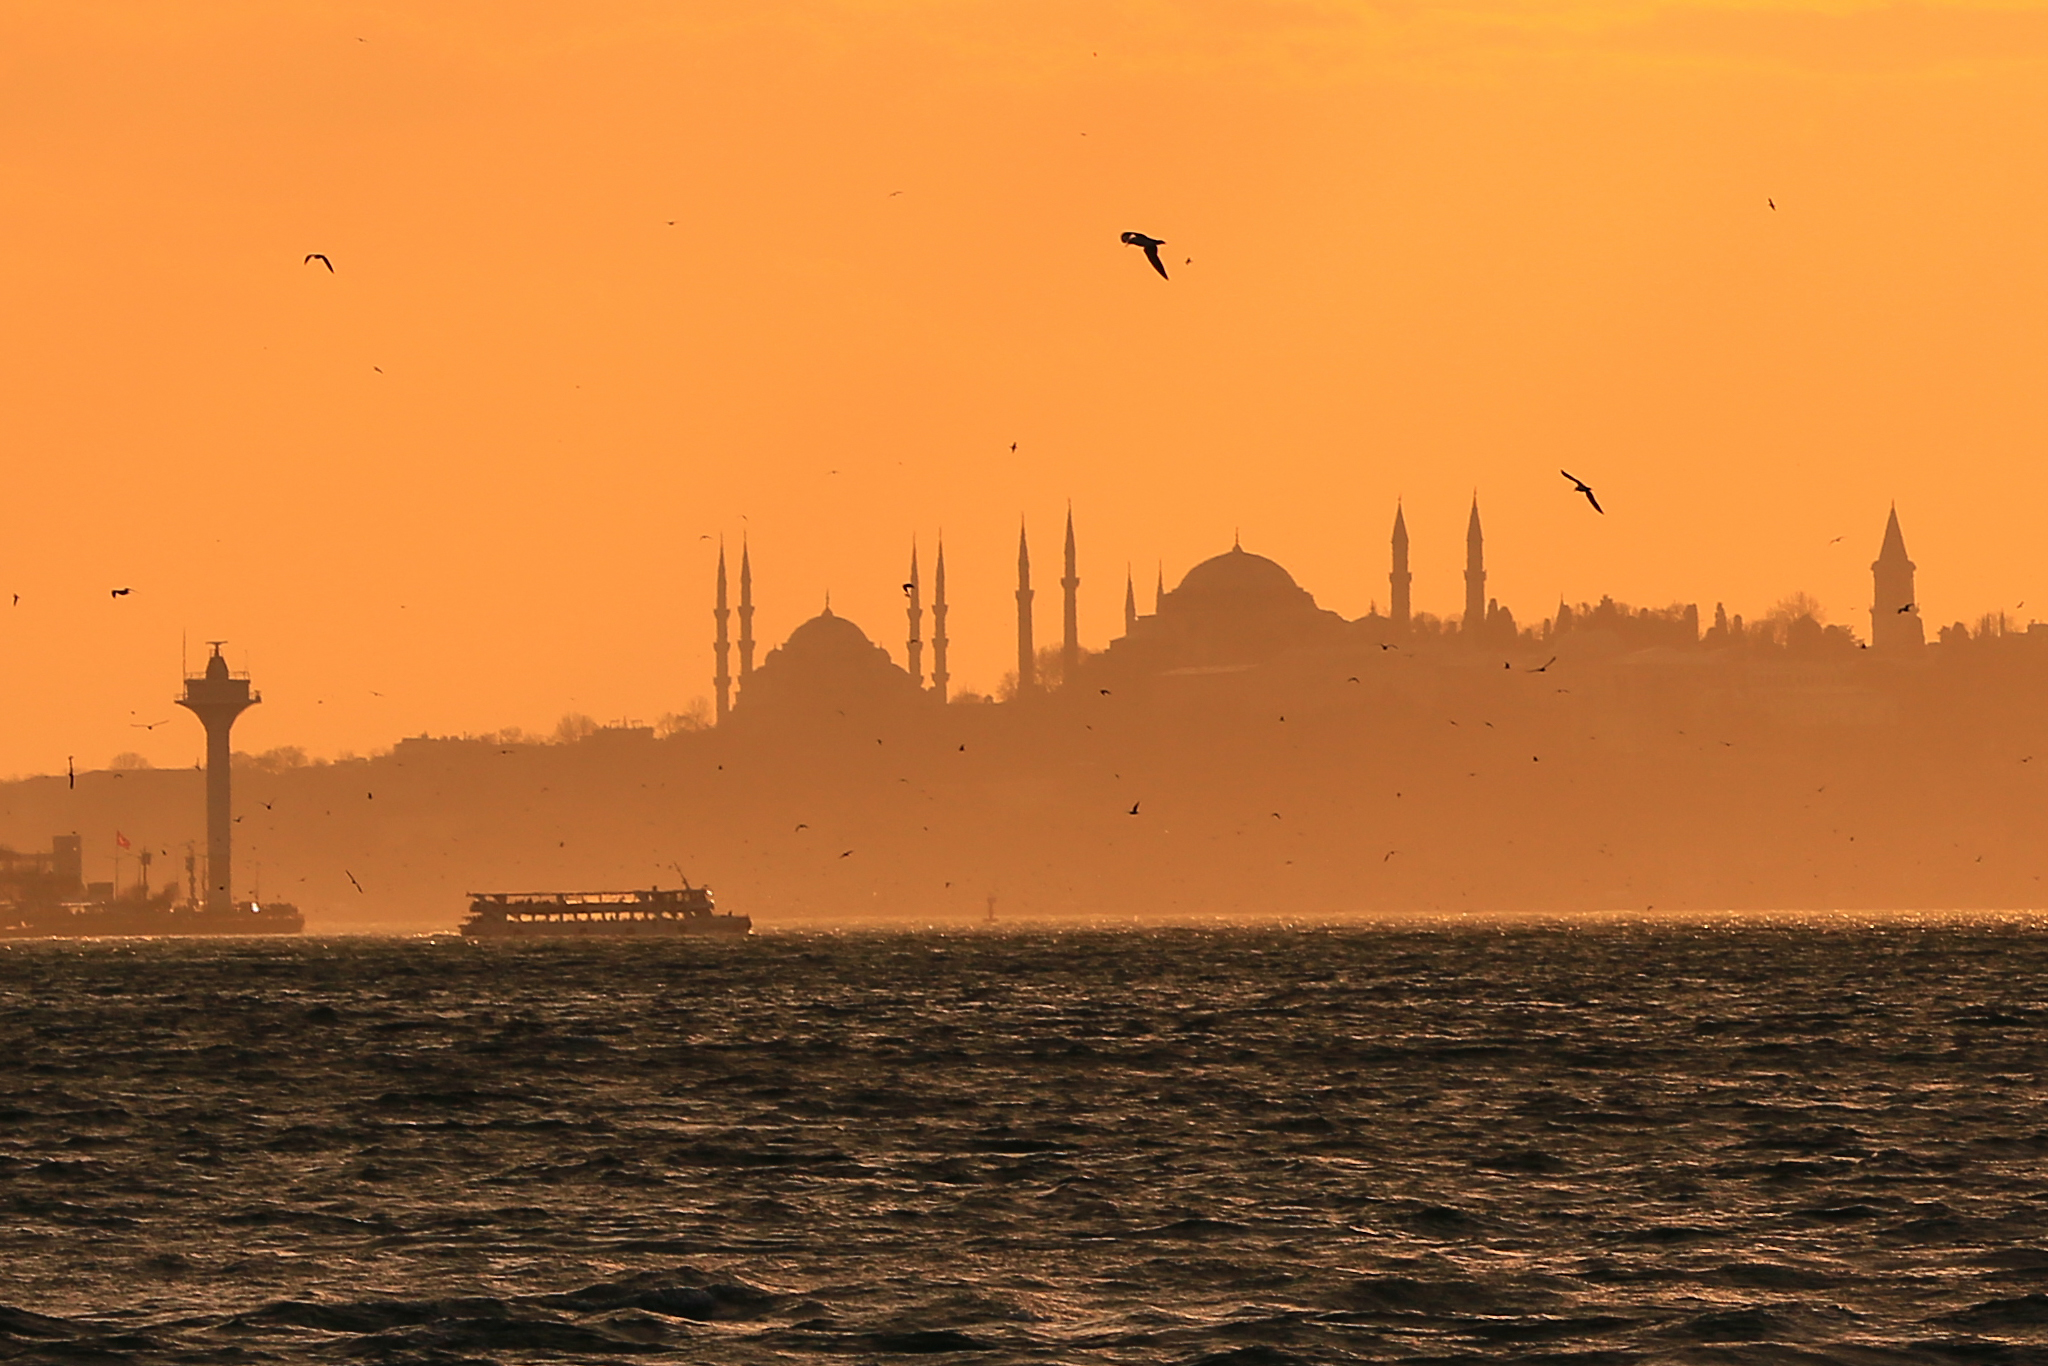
1907 608
1773 203
119 592
149 725
1579 486
1134 808
311 257
1151 246
1545 665
847 854
907 589
352 879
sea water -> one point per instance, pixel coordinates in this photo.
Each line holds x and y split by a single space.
1616 1142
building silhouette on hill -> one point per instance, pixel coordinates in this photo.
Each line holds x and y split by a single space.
1236 612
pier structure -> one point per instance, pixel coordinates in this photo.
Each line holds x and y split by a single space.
217 697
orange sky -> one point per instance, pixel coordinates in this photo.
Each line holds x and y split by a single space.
1436 247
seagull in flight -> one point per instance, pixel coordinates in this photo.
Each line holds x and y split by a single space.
1151 246
1907 608
321 257
119 592
352 880
1134 808
1580 486
1541 668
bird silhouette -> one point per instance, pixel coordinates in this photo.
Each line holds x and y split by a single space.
352 879
1773 203
847 854
1134 808
119 592
311 257
71 774
1579 486
1544 665
1103 691
800 825
1151 246
907 588
1907 608
148 725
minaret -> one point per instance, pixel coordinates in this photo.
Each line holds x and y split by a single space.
939 674
720 648
1399 578
1894 611
1475 574
1027 657
216 699
913 649
1130 602
1159 589
746 614
1070 646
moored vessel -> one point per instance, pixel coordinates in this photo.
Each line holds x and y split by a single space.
45 896
655 913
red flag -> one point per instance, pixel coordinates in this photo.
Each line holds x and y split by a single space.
120 839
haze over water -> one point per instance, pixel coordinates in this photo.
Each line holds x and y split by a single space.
1733 1142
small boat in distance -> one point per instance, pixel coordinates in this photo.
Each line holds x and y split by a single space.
657 913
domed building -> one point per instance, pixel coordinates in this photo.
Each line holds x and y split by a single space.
828 664
1230 612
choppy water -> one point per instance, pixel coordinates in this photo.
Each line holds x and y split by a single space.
1680 1144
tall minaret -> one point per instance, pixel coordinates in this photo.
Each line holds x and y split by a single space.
1070 645
1027 657
1130 602
721 648
1894 611
1475 574
1159 589
939 674
1399 578
913 649
746 614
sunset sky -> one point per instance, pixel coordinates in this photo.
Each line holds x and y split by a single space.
611 279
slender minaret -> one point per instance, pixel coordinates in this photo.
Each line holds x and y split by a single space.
1027 657
217 699
1070 644
1475 574
1130 602
1399 578
939 674
746 614
721 648
1159 589
1894 611
913 649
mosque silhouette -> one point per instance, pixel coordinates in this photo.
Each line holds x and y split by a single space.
1234 613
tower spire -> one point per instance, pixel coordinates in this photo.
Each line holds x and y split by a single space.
1130 602
1894 611
1027 656
1070 645
1399 578
721 647
746 614
939 675
1475 574
1159 589
913 649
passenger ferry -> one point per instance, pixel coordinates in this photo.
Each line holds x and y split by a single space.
657 913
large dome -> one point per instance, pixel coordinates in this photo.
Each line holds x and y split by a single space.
828 636
1237 575
827 665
